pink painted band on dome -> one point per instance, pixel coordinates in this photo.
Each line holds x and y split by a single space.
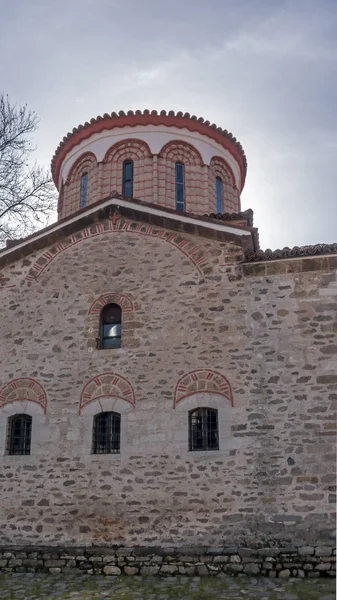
131 119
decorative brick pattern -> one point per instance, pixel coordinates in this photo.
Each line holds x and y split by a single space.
202 380
111 298
70 202
176 151
23 389
112 177
184 245
107 385
231 198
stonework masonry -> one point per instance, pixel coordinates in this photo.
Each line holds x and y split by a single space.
262 339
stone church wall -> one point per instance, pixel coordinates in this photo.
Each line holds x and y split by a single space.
199 329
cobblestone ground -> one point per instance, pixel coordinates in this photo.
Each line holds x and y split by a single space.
81 587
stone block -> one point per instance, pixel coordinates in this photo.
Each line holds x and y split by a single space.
111 570
149 570
284 574
54 563
323 551
306 551
252 568
168 569
131 570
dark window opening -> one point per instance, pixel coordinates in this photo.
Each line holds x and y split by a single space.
180 186
203 429
111 326
128 178
106 433
19 434
218 184
84 189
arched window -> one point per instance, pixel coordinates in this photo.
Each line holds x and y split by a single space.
127 178
111 327
106 433
218 188
84 189
19 432
180 186
203 429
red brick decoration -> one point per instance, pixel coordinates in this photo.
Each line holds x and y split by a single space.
70 200
107 385
23 389
6 283
195 193
111 298
113 225
202 380
231 197
130 149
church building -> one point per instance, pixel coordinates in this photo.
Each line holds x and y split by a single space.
164 382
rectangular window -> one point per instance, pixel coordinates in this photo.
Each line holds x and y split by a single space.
84 190
106 433
218 185
203 429
19 434
180 187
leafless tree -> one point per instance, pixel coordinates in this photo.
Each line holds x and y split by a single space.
27 192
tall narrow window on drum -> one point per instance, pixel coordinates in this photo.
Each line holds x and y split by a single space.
127 189
180 186
218 188
84 190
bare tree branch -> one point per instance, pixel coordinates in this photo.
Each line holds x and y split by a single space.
27 193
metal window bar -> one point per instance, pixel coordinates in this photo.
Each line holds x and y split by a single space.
203 429
19 434
106 433
127 188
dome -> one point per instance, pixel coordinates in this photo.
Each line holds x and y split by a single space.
167 159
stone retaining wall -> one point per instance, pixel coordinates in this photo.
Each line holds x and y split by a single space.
305 561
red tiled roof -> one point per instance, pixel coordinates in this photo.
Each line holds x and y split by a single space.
146 117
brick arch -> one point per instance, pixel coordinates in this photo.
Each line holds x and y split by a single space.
132 148
187 247
202 380
85 163
24 389
69 198
196 196
231 198
176 150
107 385
111 298
140 153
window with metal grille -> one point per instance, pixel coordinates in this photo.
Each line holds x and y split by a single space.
84 189
106 433
180 186
203 429
19 432
218 188
128 178
111 327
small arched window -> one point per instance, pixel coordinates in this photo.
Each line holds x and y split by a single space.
106 433
84 190
180 186
19 431
127 189
218 188
203 429
111 327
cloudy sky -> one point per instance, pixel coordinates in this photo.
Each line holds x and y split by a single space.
264 69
